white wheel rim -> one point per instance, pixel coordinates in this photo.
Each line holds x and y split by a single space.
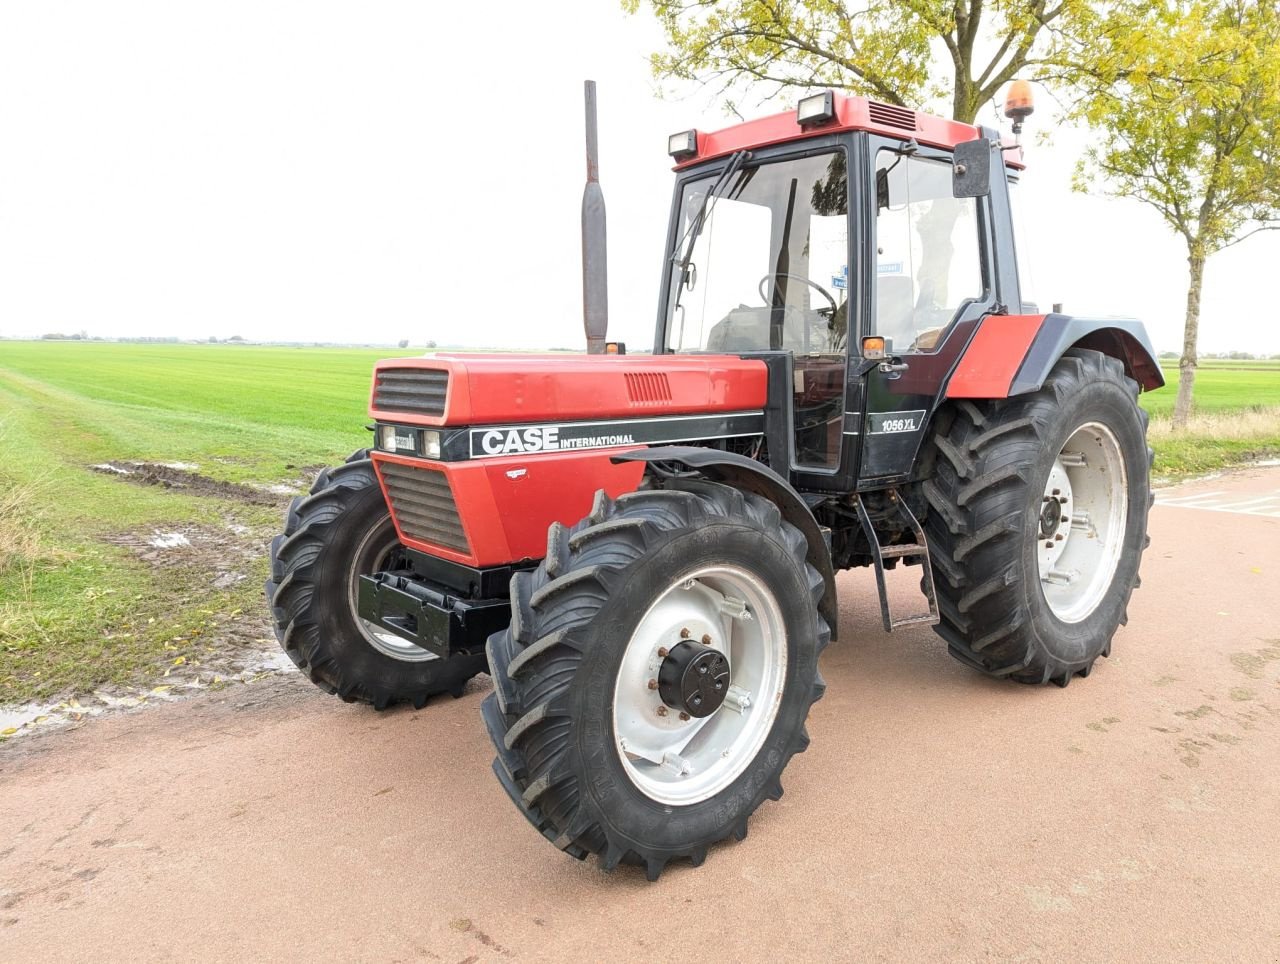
685 761
387 643
1087 492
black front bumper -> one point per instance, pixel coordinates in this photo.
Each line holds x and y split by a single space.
430 615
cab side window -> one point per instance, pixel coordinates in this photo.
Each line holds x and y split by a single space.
928 256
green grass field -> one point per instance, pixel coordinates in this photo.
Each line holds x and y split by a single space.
81 606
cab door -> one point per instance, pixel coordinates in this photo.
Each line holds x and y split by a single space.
928 275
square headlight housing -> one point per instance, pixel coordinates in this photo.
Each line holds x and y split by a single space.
683 146
407 440
816 109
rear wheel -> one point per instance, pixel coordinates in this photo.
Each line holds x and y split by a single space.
1038 519
657 673
332 537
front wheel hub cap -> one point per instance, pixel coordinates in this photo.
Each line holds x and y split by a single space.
694 678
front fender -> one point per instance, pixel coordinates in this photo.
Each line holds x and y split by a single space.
749 475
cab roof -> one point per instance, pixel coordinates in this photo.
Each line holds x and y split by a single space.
851 114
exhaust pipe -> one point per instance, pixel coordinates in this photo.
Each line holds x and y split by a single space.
595 275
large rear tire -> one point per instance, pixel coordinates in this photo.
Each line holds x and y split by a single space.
1038 519
343 530
598 745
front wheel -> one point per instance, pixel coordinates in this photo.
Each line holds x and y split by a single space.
1038 519
332 537
657 674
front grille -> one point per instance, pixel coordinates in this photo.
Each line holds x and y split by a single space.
890 115
417 391
423 505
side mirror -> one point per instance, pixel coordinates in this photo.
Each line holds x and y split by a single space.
971 169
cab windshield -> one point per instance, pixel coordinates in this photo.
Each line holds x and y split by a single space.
763 264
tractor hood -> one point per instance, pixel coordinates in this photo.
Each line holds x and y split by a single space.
499 388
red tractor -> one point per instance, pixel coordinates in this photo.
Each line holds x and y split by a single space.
641 549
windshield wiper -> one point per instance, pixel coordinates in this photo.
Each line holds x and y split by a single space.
690 236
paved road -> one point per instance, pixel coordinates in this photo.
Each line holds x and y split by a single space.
1132 816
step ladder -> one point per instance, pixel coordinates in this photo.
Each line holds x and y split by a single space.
880 553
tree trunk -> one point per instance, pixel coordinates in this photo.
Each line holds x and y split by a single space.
1190 334
963 107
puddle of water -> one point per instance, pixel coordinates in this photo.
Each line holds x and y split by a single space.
15 718
168 540
275 488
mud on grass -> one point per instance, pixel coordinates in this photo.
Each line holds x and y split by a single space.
182 477
159 608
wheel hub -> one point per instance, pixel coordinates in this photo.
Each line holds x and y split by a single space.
1081 523
694 678
1050 517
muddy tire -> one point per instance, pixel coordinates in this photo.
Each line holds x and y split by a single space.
1037 521
340 531
576 674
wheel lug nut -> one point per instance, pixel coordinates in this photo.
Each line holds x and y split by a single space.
684 634
706 639
1058 537
653 684
662 652
683 715
1065 519
1057 491
662 711
1048 498
1048 545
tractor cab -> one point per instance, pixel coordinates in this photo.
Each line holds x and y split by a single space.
844 239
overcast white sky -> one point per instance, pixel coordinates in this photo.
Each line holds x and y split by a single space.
372 171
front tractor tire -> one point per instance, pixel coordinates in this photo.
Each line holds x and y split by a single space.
1038 519
339 532
657 673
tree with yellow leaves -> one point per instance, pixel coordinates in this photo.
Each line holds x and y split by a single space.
1185 97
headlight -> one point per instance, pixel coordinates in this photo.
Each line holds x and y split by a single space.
431 445
683 146
816 109
401 439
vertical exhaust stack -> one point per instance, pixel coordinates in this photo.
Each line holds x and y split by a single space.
595 275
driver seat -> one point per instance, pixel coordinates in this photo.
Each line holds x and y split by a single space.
895 309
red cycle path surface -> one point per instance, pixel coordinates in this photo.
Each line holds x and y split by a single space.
1133 816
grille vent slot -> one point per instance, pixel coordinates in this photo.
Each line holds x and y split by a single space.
423 505
418 391
891 115
648 388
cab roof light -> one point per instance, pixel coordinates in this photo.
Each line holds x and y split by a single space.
1019 104
816 109
683 146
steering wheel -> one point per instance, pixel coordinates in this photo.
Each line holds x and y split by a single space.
795 277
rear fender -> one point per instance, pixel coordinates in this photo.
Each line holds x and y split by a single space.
749 475
1013 354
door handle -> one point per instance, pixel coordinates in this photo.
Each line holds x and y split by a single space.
893 365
